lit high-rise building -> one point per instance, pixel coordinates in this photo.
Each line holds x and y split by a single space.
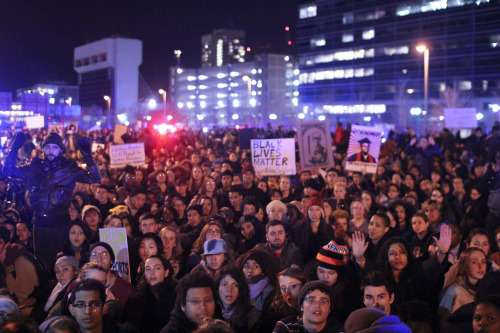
250 94
358 60
222 47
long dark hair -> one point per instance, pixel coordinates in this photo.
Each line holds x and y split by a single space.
383 256
243 303
265 261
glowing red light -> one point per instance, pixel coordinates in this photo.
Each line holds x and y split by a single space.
287 28
289 42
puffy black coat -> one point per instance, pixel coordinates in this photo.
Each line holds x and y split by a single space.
51 183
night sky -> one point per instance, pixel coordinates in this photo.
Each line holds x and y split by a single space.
37 37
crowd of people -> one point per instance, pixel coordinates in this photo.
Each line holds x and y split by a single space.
214 246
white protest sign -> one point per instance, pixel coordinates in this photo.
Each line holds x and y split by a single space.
117 239
460 118
96 145
364 149
35 122
55 128
129 154
119 131
273 156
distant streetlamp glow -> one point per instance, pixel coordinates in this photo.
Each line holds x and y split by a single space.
425 50
163 93
108 99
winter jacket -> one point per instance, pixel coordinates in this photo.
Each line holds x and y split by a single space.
51 183
290 255
179 323
148 313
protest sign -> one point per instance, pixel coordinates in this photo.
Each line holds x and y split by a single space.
273 156
96 145
117 239
315 144
129 154
460 117
35 122
119 131
56 128
364 149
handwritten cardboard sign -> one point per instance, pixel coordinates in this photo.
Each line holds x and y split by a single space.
129 154
460 117
273 156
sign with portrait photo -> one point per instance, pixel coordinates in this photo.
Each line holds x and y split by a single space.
364 149
315 144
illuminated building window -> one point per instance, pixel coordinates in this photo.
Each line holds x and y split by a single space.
191 78
390 51
347 37
464 85
318 42
348 18
368 34
307 11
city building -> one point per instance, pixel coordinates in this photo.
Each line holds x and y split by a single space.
248 94
358 60
55 100
222 47
108 78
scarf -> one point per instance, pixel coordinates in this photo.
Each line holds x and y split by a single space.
256 287
57 289
228 313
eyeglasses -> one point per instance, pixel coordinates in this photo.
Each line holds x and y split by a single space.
211 183
93 307
292 288
102 255
213 232
200 302
314 300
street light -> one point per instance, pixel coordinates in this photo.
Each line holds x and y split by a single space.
425 50
108 99
164 95
249 83
178 56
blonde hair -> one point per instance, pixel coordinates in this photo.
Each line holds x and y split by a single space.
458 274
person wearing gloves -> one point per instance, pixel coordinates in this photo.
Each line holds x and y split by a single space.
50 183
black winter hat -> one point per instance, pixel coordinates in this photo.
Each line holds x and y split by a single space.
104 245
54 138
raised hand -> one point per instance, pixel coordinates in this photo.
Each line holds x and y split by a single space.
444 241
84 144
19 141
359 245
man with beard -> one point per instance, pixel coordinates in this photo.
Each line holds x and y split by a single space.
286 254
50 183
